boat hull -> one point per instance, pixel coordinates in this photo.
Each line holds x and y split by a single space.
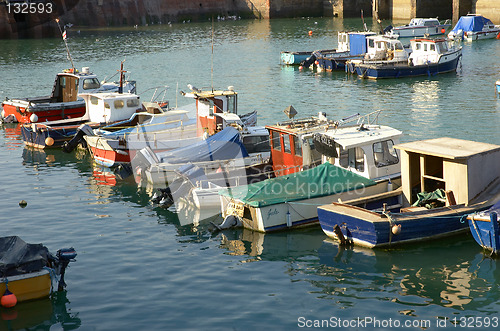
398 70
44 112
485 231
29 286
419 31
295 58
295 214
367 228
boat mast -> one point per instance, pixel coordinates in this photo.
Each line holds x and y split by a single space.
63 34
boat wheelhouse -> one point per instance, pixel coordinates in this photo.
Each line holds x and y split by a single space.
420 27
64 102
352 45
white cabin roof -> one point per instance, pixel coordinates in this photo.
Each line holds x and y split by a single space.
354 136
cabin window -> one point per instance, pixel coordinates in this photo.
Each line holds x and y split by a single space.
211 108
343 158
62 82
384 153
432 47
286 144
132 102
357 159
371 43
231 104
418 46
106 105
297 146
91 83
256 144
353 158
425 47
276 141
119 104
398 46
94 100
442 47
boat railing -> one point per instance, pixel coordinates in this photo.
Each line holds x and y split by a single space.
370 118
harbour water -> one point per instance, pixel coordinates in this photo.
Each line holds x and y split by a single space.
139 268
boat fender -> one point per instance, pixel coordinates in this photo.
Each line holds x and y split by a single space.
9 299
396 229
33 118
49 141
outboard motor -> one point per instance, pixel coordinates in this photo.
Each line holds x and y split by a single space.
82 130
310 60
230 221
64 257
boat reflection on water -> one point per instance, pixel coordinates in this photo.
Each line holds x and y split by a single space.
40 314
283 245
449 273
39 158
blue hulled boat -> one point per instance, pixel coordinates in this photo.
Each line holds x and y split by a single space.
485 230
463 171
387 58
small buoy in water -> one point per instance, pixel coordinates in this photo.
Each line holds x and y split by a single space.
23 203
396 229
49 141
310 32
443 30
9 299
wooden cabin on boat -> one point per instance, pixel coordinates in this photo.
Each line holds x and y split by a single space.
463 168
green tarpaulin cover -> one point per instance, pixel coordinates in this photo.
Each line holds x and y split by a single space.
323 180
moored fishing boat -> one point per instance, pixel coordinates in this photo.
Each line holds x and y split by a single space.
419 27
358 160
102 108
64 102
462 172
29 270
428 57
474 27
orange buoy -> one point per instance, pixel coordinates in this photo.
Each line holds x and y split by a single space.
310 32
9 299
300 67
498 35
443 30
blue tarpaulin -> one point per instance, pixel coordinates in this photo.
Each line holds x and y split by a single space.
224 145
471 23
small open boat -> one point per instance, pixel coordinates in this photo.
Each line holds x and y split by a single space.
485 229
29 270
465 171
